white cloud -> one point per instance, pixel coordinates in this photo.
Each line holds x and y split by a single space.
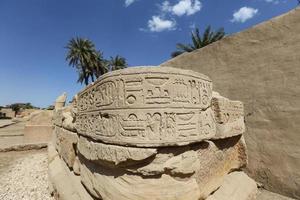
183 7
129 2
244 14
157 24
272 1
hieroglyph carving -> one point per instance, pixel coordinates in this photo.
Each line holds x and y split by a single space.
148 127
229 116
150 87
147 107
226 110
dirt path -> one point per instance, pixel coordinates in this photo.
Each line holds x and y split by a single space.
23 175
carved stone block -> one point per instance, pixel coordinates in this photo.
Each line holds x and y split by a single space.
164 127
229 116
147 107
66 145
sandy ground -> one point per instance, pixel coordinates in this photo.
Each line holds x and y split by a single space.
5 122
12 135
23 176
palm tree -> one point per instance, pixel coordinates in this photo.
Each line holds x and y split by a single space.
100 66
117 62
207 38
85 58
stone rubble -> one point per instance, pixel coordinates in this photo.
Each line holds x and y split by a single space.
26 179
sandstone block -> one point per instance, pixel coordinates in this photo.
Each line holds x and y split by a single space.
76 166
66 145
68 121
57 117
63 184
52 153
65 117
229 116
147 107
60 101
205 164
104 184
113 154
236 186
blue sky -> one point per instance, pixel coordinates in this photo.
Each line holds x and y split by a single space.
33 34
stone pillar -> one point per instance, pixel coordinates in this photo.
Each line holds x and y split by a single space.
159 133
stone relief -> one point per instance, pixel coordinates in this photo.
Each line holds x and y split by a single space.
147 107
148 127
147 88
226 111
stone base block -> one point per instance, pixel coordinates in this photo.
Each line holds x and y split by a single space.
64 185
117 185
37 133
236 186
66 145
190 172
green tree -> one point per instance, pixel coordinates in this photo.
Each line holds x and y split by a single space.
15 107
198 41
83 55
28 106
117 62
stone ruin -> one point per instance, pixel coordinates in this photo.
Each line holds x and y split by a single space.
150 133
60 101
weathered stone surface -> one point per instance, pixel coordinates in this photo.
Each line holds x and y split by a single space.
226 110
52 153
172 127
60 101
266 195
151 133
57 117
63 184
66 145
113 154
147 107
37 134
205 163
40 118
76 166
260 67
68 121
236 186
122 186
65 117
229 116
149 87
39 128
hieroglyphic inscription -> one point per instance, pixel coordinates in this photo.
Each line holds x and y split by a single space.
148 127
147 106
147 88
229 116
227 111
